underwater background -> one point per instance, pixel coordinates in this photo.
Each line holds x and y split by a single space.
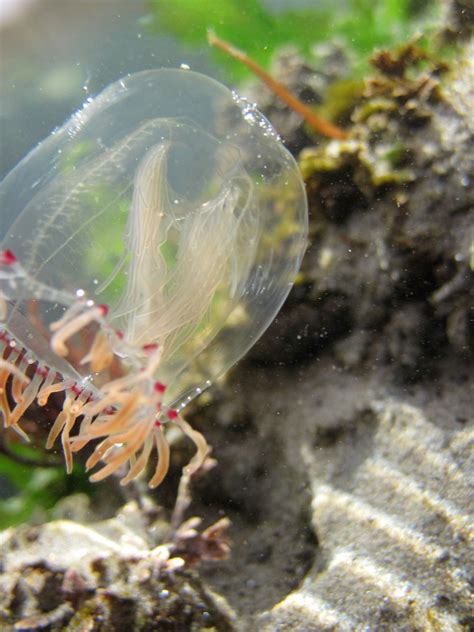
341 496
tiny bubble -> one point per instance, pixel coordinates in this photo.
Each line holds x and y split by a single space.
95 281
185 67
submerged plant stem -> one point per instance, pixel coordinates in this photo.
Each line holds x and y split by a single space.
320 125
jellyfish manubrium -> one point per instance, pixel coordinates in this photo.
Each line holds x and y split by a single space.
153 239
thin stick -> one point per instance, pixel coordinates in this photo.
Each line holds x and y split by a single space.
317 123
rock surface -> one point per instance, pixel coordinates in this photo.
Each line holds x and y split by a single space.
102 577
347 459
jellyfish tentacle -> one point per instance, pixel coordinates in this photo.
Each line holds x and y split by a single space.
60 421
48 388
120 456
29 395
202 447
101 354
18 382
163 451
12 369
116 421
73 325
137 468
7 370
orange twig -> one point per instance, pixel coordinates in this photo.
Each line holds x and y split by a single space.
320 125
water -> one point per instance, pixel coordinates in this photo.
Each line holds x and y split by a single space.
60 53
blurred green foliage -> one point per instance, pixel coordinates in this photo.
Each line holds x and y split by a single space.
362 25
29 493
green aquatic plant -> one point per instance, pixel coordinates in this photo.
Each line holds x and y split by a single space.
252 26
137 273
31 489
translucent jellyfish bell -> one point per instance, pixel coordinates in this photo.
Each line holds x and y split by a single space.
155 237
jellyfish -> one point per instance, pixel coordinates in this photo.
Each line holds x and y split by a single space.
146 246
